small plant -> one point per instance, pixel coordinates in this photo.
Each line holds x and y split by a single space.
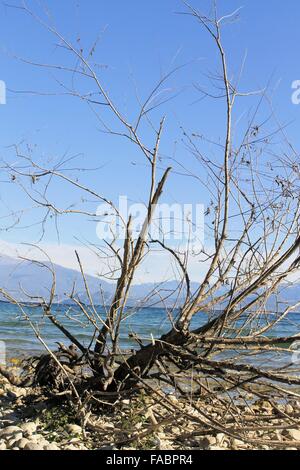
133 420
57 417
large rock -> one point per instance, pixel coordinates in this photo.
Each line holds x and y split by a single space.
51 446
38 439
12 442
9 418
16 392
28 428
21 444
33 446
237 444
10 431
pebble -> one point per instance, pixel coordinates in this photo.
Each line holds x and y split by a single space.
289 409
293 434
74 429
173 399
30 435
220 438
265 406
125 402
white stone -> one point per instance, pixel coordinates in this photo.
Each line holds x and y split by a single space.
289 409
73 429
125 402
21 444
237 443
17 392
293 434
173 399
51 446
71 447
28 428
220 438
33 446
10 431
164 444
11 442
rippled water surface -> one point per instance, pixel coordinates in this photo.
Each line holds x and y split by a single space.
146 323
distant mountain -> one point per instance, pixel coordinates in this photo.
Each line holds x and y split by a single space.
23 278
150 294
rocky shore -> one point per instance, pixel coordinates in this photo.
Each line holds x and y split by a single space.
19 433
28 423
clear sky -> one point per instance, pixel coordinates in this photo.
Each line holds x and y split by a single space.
139 42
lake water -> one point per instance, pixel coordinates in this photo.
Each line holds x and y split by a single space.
146 323
18 335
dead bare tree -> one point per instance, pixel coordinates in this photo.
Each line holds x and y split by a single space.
252 224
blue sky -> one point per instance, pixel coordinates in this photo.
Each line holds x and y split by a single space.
139 41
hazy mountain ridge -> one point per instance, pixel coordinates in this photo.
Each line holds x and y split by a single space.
23 278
